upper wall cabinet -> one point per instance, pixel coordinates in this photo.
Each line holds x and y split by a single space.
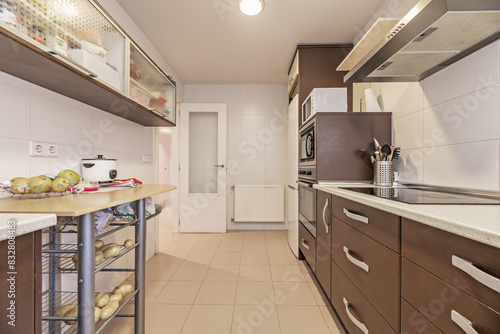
74 48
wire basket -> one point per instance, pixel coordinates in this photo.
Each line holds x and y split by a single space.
383 173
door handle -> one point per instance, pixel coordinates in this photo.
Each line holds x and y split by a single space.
463 322
292 188
220 166
357 217
324 218
355 261
355 321
476 273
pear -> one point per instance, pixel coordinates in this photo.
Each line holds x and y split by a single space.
39 184
60 184
19 185
70 175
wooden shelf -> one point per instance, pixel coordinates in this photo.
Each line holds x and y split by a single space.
28 62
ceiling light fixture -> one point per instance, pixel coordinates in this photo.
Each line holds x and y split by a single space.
251 7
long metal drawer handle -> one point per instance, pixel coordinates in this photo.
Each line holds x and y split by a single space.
357 217
356 262
462 322
479 275
305 244
324 212
355 321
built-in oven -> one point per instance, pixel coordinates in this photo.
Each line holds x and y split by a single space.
307 198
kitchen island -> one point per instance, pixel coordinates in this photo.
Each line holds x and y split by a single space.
83 206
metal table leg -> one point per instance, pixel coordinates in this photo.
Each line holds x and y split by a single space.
86 274
54 280
140 267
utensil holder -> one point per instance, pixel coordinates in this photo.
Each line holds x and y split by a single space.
382 173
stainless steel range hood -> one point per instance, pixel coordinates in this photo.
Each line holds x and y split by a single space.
431 36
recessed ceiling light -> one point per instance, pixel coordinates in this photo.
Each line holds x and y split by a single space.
251 7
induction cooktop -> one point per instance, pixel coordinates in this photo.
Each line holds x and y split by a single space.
415 195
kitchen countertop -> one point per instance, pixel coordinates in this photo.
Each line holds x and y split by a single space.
476 222
24 223
78 204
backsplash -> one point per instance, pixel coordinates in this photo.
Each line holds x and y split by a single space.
448 125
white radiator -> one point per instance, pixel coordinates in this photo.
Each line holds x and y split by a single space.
259 203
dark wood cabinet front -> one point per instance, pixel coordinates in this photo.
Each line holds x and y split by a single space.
412 322
324 239
307 246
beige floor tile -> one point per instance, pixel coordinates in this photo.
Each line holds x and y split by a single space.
305 271
153 288
254 258
166 319
334 328
249 293
276 239
190 237
181 247
293 293
255 272
254 247
190 272
169 257
223 272
160 272
226 258
278 247
205 247
178 292
199 258
257 233
164 246
212 238
282 258
208 319
255 319
230 247
286 273
317 293
292 318
217 293
254 238
233 237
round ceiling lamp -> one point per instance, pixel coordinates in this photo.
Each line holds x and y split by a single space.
251 7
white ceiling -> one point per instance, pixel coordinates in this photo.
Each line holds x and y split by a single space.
210 41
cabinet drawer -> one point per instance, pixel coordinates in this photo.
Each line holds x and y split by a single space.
307 245
412 322
358 313
324 240
372 267
434 250
438 301
379 225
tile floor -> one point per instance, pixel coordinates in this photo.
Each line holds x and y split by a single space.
241 282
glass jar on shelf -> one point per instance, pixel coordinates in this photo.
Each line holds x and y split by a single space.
8 12
57 40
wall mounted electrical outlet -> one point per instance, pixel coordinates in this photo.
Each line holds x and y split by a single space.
37 149
52 150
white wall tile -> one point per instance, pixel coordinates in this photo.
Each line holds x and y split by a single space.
202 92
409 130
70 157
233 137
275 152
15 158
14 81
140 139
253 92
255 167
254 106
109 132
276 167
410 166
233 152
400 98
228 92
233 106
469 165
472 117
252 122
233 121
16 105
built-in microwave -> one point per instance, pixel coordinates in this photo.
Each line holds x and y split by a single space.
307 144
324 100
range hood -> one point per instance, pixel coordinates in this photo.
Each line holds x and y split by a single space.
431 36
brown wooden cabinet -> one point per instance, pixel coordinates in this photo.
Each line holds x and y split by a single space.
27 287
324 239
307 246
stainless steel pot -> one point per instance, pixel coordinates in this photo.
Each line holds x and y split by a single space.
99 169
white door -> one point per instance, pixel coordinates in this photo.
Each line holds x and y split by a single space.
293 173
203 168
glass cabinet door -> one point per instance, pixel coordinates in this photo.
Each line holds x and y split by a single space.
149 86
74 29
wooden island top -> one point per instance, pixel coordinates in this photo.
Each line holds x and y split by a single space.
74 205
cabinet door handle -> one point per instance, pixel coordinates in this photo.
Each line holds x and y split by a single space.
304 243
356 262
462 322
355 216
355 321
324 212
479 275
219 166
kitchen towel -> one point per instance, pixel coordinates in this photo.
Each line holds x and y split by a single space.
371 101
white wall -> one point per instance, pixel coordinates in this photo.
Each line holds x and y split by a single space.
256 136
448 125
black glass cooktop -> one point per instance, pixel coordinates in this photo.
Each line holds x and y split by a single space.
424 196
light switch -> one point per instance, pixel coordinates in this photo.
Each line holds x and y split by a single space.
146 158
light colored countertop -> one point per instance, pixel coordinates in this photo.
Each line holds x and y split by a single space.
79 204
24 223
476 222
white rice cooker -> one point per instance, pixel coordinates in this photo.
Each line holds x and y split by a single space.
99 169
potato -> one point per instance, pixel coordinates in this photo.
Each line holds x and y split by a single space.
63 309
123 289
99 243
116 296
71 313
103 248
75 258
97 314
99 257
111 252
108 310
101 299
129 243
